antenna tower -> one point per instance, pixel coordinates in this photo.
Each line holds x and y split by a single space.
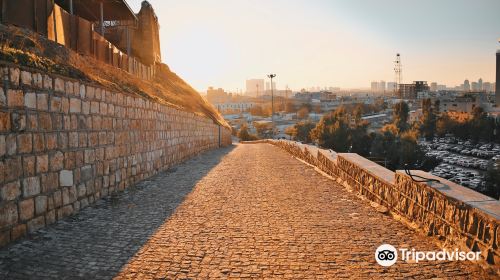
398 71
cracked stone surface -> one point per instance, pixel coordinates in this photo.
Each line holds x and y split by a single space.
252 211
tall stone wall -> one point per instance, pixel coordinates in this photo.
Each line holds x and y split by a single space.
456 215
64 145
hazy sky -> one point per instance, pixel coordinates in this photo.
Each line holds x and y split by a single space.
345 43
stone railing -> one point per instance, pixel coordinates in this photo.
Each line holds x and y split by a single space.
458 216
64 145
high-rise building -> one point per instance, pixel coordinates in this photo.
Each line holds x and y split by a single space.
434 86
487 87
268 87
218 95
480 84
391 86
381 86
411 91
374 86
466 85
255 87
475 86
497 89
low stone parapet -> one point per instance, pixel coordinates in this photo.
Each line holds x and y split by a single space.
456 215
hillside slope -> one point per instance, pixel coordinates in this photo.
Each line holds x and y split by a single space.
26 48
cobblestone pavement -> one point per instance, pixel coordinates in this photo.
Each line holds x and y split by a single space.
262 214
254 212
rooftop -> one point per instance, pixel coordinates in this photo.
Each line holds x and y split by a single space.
90 9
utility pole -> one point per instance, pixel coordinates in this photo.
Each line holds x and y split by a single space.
271 76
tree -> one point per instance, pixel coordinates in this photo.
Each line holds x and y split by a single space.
332 131
478 113
268 110
301 131
390 128
244 135
257 111
290 130
476 127
359 139
303 113
437 104
379 105
317 109
357 113
482 125
409 152
428 124
385 146
444 125
492 180
400 116
290 107
264 129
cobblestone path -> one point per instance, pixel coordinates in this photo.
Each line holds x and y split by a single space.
251 212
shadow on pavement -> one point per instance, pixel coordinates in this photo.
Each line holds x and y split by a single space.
98 241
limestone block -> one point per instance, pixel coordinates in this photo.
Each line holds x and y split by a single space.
47 82
15 98
10 191
75 105
8 215
59 85
40 204
42 101
56 161
26 209
14 76
66 178
30 100
3 97
26 78
31 186
37 80
36 224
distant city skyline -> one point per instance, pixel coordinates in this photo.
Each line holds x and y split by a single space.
346 44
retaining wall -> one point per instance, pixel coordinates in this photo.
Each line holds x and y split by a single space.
64 145
456 215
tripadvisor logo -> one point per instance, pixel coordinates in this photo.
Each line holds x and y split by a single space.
387 255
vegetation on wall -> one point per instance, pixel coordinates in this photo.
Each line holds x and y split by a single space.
29 49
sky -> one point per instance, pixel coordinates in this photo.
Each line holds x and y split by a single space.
342 43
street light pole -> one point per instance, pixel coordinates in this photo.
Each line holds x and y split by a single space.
271 76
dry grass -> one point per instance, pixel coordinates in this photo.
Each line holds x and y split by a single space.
29 49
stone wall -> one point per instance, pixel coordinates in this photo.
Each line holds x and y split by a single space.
64 145
456 215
